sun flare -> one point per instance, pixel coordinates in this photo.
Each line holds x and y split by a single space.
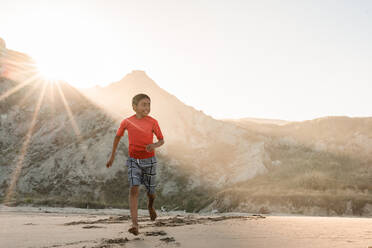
49 72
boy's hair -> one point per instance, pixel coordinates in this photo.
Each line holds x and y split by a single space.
139 97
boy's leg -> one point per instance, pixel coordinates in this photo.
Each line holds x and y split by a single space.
148 178
133 201
150 206
134 175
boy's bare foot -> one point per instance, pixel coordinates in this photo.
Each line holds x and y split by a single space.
152 213
134 230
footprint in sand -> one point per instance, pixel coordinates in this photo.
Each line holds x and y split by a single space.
109 242
168 239
92 226
155 233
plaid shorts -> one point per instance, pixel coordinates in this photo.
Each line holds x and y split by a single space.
142 171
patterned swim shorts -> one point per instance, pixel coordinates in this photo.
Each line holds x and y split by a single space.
142 171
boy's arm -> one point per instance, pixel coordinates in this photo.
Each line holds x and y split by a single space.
159 143
114 146
157 131
151 147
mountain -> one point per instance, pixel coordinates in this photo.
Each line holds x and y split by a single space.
211 151
340 135
54 147
246 121
320 166
15 65
55 141
45 151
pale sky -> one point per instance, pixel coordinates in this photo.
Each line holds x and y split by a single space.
290 60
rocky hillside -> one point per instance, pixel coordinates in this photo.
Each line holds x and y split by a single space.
55 141
211 151
54 147
47 152
318 167
15 65
340 135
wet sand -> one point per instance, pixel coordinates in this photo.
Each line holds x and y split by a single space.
59 227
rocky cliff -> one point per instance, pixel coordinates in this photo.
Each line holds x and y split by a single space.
55 141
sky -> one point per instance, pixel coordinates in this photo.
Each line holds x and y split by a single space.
288 60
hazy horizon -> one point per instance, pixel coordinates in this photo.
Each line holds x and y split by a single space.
282 60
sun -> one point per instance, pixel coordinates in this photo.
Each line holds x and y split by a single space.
77 53
52 70
48 72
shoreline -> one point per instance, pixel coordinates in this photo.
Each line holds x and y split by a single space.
118 211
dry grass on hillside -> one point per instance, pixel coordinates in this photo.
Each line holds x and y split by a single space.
306 178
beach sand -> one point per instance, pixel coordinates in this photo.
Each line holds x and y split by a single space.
69 227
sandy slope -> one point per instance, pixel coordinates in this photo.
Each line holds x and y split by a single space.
48 227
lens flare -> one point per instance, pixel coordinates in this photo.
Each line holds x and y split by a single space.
18 168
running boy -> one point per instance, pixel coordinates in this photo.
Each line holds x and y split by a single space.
141 161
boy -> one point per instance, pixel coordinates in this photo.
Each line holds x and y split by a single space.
141 161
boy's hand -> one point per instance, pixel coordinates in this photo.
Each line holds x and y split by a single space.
150 147
109 163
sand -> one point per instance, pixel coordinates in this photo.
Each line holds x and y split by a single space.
69 227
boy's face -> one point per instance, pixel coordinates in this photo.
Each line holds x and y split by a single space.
143 107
